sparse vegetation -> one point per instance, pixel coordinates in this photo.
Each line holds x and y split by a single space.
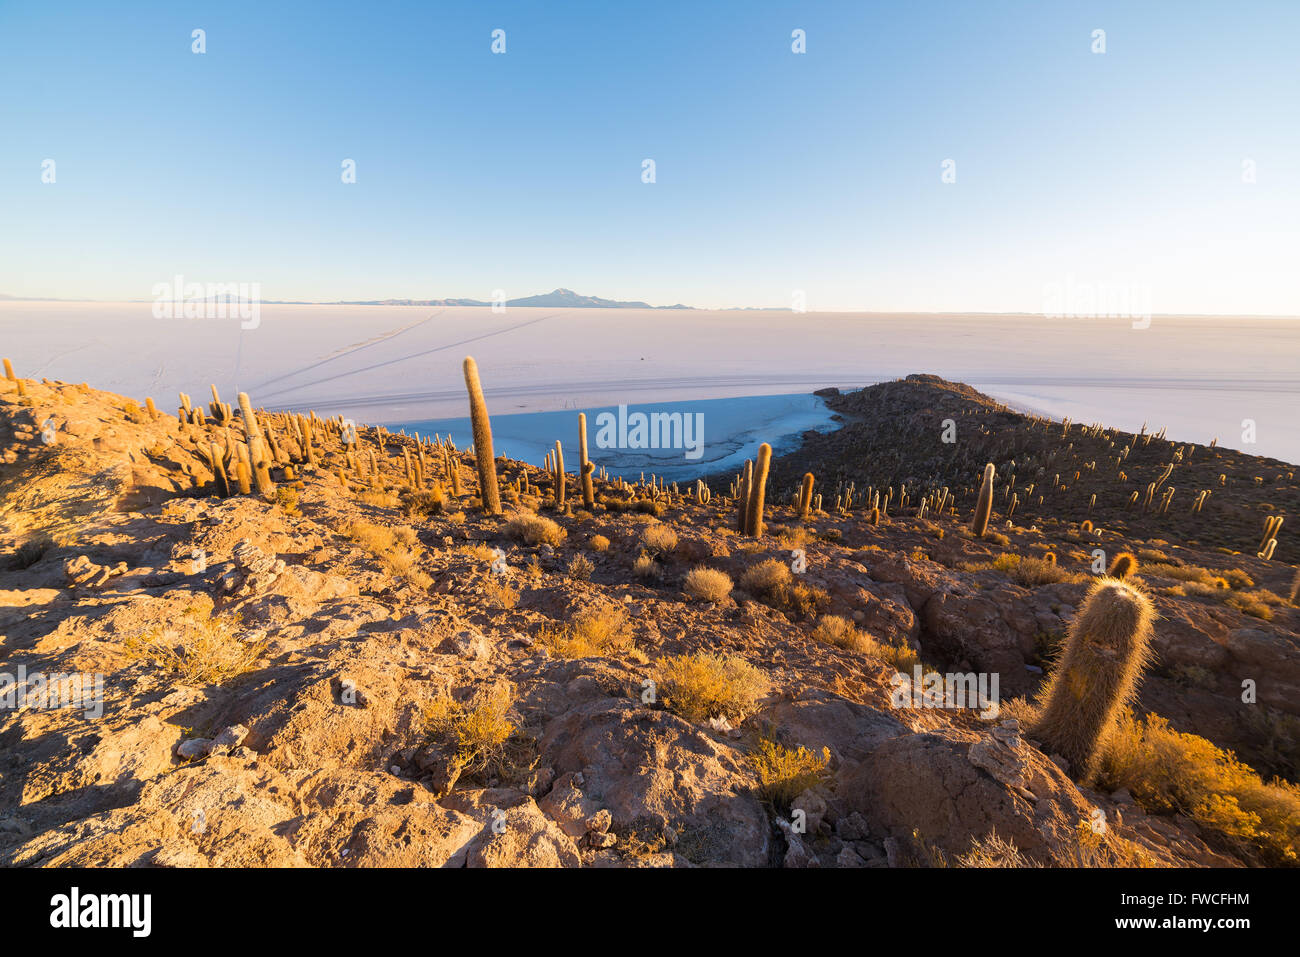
485 743
704 685
199 649
595 633
785 773
392 546
1168 771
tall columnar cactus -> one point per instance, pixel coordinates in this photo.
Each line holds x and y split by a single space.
9 371
984 505
489 492
742 495
559 475
758 492
1106 650
258 459
805 495
584 464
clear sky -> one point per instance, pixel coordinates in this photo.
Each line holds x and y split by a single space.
775 171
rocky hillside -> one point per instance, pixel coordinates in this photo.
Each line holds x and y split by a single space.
358 667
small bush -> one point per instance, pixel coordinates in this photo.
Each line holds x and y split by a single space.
703 686
425 502
785 773
1168 771
644 567
580 568
1030 571
842 633
378 497
501 593
707 584
659 539
392 546
534 529
599 543
480 734
767 577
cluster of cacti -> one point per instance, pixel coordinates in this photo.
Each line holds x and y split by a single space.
1106 650
489 492
806 495
558 478
259 460
1272 525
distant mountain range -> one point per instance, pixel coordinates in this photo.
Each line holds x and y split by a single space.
557 299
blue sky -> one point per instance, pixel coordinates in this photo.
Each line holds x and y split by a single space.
776 171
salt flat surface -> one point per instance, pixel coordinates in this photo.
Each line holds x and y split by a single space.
1200 376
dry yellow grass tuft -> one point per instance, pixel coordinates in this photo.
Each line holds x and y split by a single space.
645 567
703 686
707 584
534 529
484 740
766 577
659 539
501 593
1168 771
595 633
201 650
393 546
599 543
838 631
785 773
580 568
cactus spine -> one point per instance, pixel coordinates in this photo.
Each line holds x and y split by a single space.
1106 650
984 505
489 492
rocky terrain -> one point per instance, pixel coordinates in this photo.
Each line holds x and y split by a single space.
358 667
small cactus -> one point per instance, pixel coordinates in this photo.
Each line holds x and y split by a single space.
1124 565
1106 650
